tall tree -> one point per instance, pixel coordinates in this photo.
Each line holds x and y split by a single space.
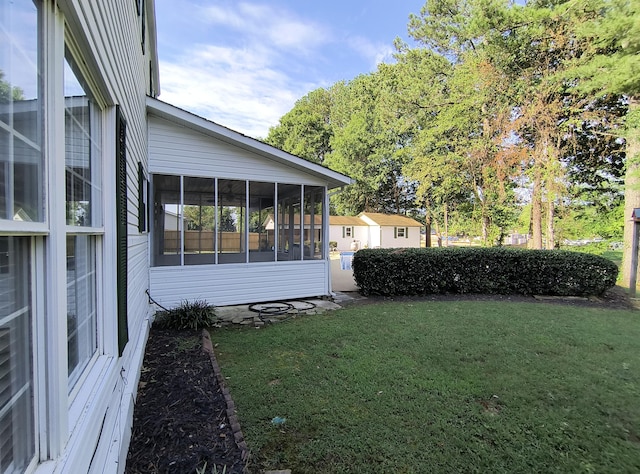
462 153
305 130
612 66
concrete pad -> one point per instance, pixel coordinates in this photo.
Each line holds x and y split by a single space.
242 315
341 280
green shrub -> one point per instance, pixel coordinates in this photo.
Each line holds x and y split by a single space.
195 315
481 270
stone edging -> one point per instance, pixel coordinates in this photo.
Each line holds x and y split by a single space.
207 346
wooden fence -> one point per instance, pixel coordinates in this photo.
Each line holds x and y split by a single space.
196 241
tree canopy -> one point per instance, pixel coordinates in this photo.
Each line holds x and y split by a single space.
498 111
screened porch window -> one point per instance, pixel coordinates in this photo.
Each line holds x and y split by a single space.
313 201
248 223
167 220
289 207
199 220
261 229
232 225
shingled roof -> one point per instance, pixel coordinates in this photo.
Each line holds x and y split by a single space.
390 220
377 218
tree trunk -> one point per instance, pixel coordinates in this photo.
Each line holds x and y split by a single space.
427 230
446 225
551 236
536 215
485 230
631 184
438 234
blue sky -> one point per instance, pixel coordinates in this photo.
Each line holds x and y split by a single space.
243 64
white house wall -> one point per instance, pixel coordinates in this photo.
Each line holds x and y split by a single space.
229 284
361 235
335 235
389 241
178 150
375 236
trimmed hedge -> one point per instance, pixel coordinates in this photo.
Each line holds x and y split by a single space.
498 270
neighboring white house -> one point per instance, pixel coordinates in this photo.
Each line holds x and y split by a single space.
105 195
348 232
374 230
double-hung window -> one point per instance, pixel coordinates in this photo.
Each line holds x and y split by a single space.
401 232
83 201
40 219
21 218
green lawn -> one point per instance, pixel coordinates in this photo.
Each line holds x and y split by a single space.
446 387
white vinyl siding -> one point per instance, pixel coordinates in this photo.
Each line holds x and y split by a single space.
174 149
231 284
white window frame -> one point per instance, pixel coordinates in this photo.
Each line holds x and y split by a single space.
62 419
34 232
96 232
61 411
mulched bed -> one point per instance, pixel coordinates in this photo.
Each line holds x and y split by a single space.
181 415
180 422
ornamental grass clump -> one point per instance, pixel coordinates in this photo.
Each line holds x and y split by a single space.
498 270
189 315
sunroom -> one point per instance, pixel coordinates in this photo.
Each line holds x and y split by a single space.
233 220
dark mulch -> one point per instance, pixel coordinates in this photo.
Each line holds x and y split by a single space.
180 421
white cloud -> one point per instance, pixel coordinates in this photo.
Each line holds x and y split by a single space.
242 74
375 53
263 23
239 89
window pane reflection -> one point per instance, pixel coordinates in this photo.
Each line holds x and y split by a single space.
21 160
83 161
81 303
